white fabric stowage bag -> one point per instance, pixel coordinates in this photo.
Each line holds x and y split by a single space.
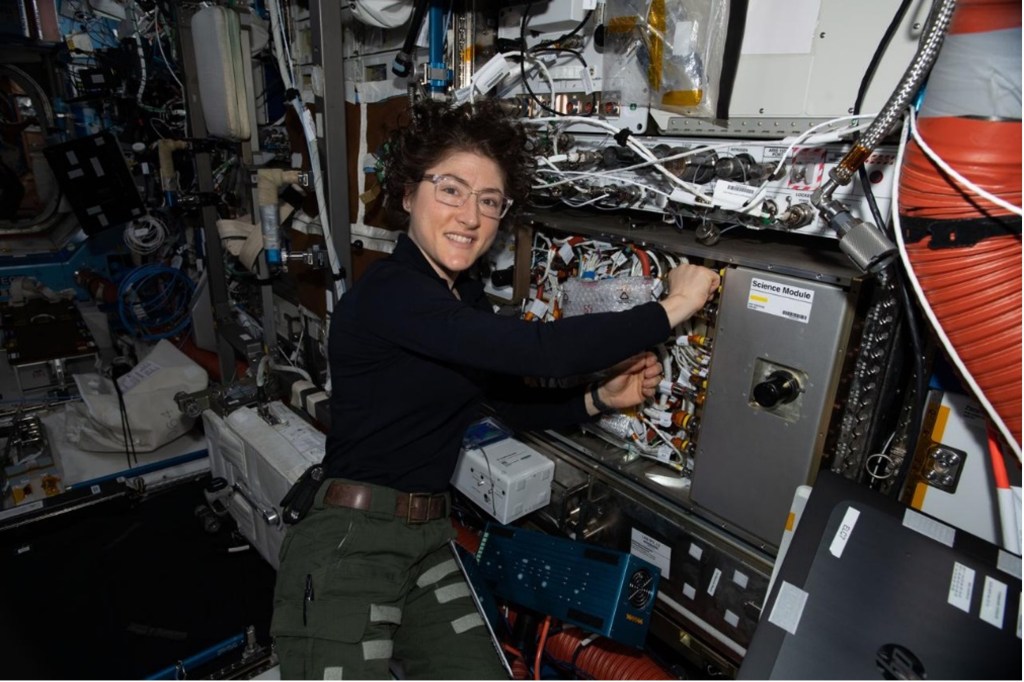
218 45
95 424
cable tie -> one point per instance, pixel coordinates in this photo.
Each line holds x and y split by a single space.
622 136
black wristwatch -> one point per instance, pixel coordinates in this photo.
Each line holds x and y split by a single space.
602 407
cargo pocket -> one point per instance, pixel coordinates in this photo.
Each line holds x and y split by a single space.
324 636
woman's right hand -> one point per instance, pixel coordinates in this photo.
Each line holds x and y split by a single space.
689 288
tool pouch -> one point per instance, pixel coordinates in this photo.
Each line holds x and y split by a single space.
299 498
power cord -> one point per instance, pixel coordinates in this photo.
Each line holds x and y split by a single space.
490 494
119 368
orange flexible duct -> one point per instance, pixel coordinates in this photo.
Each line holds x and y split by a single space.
969 272
520 671
540 647
208 360
604 659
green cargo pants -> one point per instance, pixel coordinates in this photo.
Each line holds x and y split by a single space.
358 588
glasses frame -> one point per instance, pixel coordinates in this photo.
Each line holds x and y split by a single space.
436 178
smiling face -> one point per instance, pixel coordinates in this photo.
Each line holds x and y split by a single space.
452 238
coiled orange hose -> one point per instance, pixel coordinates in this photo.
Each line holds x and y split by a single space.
982 320
974 290
604 659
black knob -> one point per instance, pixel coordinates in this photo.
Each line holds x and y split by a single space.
780 387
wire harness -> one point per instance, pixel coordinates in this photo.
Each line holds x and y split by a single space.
154 302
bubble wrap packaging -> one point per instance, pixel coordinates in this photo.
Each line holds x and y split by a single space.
617 424
580 297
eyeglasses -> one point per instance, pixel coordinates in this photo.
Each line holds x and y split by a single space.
454 192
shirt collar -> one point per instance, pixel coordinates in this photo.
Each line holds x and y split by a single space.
408 253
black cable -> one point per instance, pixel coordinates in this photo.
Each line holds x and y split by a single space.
402 64
522 62
124 431
916 344
920 381
490 475
899 276
574 663
582 60
564 668
131 438
529 90
913 328
731 53
126 428
562 38
876 58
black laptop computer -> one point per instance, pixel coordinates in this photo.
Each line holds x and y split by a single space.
871 589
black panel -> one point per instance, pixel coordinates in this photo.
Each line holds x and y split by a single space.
863 595
40 331
93 175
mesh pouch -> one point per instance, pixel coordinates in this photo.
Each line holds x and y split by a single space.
580 296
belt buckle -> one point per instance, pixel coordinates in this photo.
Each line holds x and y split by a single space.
409 512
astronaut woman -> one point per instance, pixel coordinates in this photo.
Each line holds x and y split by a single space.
415 348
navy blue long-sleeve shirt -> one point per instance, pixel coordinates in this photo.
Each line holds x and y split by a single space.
411 364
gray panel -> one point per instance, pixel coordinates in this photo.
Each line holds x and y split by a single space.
750 459
792 74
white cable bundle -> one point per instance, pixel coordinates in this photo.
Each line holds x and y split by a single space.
287 68
145 235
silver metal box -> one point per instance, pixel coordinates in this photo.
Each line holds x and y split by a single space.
751 457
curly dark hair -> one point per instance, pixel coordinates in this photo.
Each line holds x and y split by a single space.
437 129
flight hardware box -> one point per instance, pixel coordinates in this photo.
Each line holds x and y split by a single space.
260 461
506 478
46 343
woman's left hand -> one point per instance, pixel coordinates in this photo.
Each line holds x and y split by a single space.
630 383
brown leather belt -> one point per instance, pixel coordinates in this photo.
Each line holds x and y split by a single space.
412 507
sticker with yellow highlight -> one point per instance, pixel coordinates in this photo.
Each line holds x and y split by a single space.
782 300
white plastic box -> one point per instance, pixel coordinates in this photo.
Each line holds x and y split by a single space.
507 479
264 460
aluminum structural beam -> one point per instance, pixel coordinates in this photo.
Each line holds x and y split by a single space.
325 24
217 280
